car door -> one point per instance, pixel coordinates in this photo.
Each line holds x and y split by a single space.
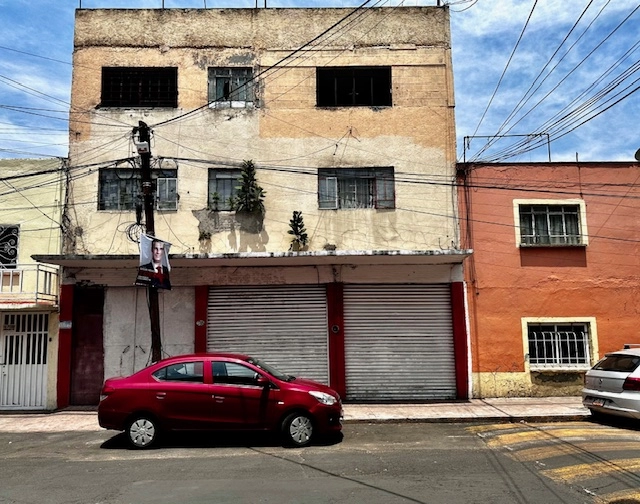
239 401
181 396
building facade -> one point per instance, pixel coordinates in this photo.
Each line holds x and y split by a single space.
553 278
350 269
30 223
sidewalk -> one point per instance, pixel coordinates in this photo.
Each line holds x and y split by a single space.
528 409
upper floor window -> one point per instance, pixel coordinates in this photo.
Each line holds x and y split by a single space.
356 188
223 186
120 189
230 87
556 345
9 246
139 87
353 86
543 223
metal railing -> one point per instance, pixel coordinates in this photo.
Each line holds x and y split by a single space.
30 283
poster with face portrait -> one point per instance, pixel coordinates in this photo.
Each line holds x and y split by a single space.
154 265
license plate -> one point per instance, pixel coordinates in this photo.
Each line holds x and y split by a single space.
598 402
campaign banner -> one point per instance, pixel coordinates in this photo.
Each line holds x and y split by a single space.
154 269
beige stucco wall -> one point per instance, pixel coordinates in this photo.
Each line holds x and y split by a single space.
286 136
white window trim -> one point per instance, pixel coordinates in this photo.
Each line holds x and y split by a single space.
593 341
584 234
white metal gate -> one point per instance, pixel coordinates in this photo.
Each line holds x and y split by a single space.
286 326
23 360
399 342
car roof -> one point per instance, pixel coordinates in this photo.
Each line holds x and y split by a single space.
634 350
209 355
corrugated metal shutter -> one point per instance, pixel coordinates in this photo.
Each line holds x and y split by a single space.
399 343
285 326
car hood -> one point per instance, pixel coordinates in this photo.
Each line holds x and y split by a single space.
306 384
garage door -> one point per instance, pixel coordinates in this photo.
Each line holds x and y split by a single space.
399 343
285 326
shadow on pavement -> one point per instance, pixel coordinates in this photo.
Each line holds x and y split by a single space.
215 440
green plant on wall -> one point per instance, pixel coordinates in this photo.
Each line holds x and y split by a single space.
300 238
250 196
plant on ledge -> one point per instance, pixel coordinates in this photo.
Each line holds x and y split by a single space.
300 238
249 200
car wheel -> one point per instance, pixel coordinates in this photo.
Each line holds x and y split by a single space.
297 429
142 432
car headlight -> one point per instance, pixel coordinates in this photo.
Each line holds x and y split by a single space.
323 397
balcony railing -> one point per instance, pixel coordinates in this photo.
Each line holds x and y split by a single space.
29 284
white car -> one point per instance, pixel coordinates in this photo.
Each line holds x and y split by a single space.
612 386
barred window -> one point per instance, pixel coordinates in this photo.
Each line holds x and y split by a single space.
120 189
231 87
9 246
223 186
550 225
559 345
356 188
139 87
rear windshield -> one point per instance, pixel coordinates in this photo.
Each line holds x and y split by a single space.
623 363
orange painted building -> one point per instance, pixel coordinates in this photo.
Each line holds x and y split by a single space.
553 280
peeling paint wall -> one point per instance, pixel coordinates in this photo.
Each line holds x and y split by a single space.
286 136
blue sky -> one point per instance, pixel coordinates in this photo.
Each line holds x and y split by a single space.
531 76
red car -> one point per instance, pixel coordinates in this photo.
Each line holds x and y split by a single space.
217 392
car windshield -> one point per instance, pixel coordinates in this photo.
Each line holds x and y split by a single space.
271 370
618 362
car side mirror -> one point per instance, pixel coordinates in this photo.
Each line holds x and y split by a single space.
263 381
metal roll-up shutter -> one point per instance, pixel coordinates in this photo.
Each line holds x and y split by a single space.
285 326
399 343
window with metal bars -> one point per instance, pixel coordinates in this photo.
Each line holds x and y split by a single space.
139 87
353 86
550 225
343 188
231 87
558 345
120 188
9 246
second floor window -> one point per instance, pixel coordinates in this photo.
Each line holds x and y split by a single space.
9 246
223 184
550 225
230 87
353 86
120 189
139 87
356 188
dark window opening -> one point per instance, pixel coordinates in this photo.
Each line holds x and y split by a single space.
139 87
353 87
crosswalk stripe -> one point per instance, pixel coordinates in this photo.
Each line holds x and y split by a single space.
579 472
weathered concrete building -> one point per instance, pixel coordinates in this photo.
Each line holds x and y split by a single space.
347 116
553 279
30 223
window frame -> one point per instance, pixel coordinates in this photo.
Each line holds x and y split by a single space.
354 86
370 187
224 205
590 346
139 87
564 240
162 374
244 88
135 178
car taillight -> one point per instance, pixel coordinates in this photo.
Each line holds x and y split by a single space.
106 390
631 383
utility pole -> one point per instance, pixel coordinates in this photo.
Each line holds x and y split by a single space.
144 149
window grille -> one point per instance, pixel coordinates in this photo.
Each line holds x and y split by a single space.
559 345
356 188
353 86
139 87
550 225
231 87
9 246
223 187
120 189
